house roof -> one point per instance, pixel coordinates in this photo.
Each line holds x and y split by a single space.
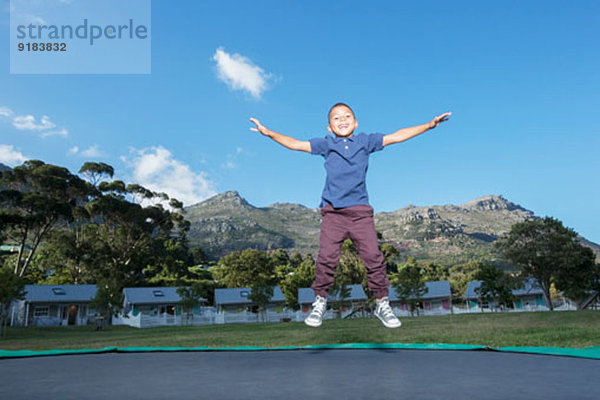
307 295
240 295
470 292
152 295
59 293
435 289
530 287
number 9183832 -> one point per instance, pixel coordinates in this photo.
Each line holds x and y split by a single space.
42 46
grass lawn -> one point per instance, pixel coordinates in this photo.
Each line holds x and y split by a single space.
575 329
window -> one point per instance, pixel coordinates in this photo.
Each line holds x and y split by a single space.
41 311
167 309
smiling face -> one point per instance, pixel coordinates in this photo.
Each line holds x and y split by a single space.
341 121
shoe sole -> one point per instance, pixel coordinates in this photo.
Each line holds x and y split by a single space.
312 324
388 325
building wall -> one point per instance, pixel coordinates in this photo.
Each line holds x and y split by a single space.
50 314
147 316
439 306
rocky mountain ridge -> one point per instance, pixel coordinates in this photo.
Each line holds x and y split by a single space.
448 234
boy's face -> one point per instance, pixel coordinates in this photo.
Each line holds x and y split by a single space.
342 122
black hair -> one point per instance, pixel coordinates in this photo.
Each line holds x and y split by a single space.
339 104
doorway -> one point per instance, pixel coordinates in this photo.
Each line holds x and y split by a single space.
72 314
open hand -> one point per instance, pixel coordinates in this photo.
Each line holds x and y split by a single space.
259 127
439 119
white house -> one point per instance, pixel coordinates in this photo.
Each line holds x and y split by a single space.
356 302
234 305
437 300
528 297
54 305
159 306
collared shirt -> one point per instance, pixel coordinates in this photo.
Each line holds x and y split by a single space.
346 163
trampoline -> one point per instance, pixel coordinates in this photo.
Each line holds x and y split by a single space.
325 372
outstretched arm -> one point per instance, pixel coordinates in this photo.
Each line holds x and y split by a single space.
286 141
408 133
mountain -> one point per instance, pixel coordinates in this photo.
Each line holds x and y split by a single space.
227 222
4 167
448 234
451 234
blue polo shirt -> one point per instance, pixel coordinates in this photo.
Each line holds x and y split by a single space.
346 163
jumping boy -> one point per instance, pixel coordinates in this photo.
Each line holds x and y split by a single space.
345 208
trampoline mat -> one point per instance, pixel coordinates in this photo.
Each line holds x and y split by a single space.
294 374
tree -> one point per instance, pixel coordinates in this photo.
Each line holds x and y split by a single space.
409 284
11 288
94 171
303 276
496 285
279 257
109 298
190 297
434 272
283 271
296 259
65 258
459 276
261 294
282 264
36 197
129 237
249 268
198 275
579 274
243 268
170 263
350 270
547 251
389 254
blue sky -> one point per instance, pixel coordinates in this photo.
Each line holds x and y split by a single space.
520 78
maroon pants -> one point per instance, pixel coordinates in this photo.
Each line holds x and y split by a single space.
356 223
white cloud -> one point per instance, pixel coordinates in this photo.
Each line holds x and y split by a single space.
27 123
5 112
92 152
60 132
10 156
156 169
239 73
229 164
231 161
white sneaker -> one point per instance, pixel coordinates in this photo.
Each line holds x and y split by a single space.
384 312
316 316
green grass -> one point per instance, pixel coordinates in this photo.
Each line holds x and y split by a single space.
575 329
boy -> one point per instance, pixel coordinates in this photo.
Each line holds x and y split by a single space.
345 205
